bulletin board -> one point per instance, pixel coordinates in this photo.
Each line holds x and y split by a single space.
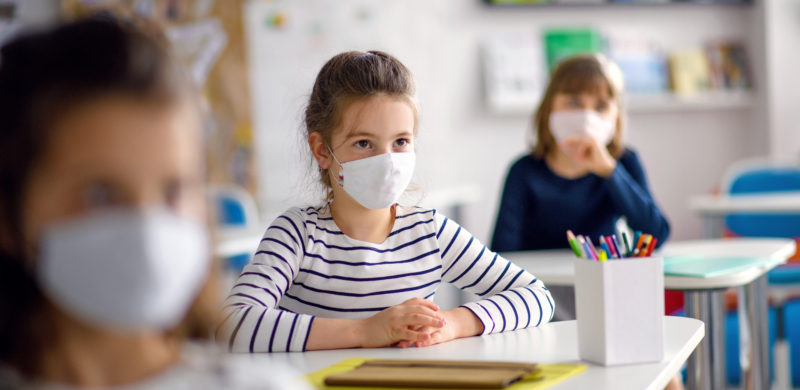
208 37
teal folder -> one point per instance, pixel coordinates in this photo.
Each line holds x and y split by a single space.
709 267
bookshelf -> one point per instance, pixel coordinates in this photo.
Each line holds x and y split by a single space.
655 103
709 101
717 34
588 3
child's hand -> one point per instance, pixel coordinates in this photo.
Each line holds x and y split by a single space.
460 322
414 320
590 155
445 333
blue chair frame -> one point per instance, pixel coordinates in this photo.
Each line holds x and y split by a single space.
755 176
234 207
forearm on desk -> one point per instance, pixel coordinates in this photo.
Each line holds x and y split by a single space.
465 322
334 333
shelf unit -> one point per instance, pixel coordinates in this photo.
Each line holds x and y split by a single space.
670 102
658 103
620 4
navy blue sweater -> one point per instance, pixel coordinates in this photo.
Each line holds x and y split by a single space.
538 206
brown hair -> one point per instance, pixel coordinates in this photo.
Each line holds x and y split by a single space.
43 75
348 77
585 73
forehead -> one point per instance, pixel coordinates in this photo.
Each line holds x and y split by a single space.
585 83
377 115
118 131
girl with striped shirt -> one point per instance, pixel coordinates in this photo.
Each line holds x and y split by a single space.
360 271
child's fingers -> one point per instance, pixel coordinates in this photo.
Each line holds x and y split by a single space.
422 310
417 319
421 302
435 338
412 336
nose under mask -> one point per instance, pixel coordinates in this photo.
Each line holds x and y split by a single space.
127 270
581 123
377 182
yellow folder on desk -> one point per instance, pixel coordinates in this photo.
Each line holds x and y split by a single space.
548 375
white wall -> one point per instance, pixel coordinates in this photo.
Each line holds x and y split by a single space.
684 153
782 82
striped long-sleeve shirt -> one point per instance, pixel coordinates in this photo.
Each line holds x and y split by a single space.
306 267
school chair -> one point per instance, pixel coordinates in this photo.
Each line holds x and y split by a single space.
791 326
761 175
233 207
732 362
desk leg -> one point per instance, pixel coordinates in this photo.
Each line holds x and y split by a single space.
706 365
713 225
756 376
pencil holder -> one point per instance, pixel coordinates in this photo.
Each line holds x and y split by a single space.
620 310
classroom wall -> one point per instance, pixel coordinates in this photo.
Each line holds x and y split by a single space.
685 152
782 89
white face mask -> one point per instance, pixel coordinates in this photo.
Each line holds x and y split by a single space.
581 123
377 182
127 270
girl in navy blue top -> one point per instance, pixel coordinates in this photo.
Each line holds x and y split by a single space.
579 175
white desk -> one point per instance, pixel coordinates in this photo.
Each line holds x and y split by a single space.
714 208
551 343
554 267
704 299
766 203
233 241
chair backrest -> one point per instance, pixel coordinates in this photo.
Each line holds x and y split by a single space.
233 206
763 175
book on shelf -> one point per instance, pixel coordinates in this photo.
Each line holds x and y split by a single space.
689 71
729 66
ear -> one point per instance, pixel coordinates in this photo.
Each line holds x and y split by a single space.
319 150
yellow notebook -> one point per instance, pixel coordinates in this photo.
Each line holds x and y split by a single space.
546 376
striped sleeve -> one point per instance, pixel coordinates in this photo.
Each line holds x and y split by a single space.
512 297
252 321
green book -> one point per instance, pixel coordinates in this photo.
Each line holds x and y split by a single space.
564 43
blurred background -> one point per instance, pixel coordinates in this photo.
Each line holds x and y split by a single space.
709 83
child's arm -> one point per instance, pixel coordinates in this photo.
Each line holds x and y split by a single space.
412 321
631 195
254 323
514 299
509 228
626 182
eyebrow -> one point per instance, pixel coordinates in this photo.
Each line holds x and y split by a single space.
355 134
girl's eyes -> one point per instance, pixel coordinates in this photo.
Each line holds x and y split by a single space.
602 107
401 143
574 103
100 195
362 144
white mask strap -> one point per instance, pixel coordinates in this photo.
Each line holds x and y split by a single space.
340 176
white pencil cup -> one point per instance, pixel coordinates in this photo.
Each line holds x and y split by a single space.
620 310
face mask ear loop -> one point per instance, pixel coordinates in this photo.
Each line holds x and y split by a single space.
340 176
